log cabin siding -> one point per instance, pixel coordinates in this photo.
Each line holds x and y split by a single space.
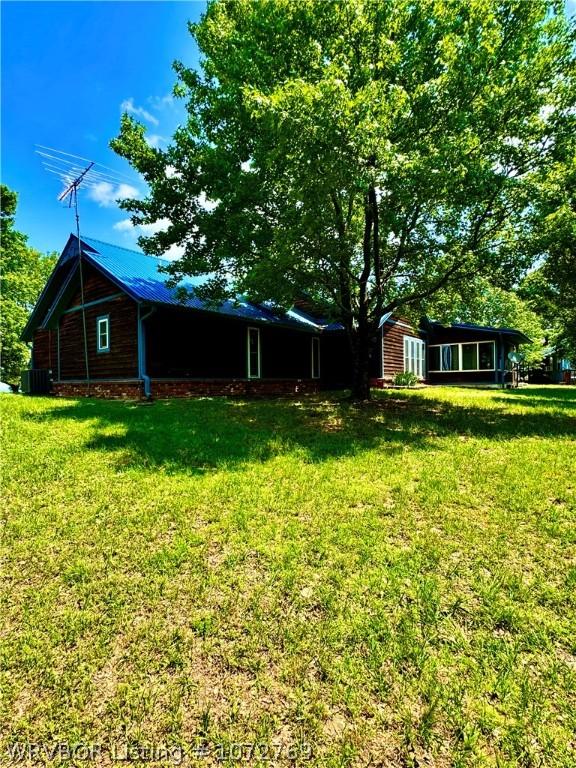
393 332
44 349
122 359
96 287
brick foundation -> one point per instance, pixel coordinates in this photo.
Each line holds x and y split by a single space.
114 390
167 388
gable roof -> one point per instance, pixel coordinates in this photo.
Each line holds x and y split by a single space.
140 276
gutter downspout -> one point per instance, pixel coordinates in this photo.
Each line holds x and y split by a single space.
142 351
501 361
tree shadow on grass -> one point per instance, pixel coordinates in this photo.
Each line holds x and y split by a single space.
201 435
551 396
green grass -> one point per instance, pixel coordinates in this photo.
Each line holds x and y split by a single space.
392 584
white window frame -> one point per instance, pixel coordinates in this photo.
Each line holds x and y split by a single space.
103 320
415 356
315 341
466 370
252 375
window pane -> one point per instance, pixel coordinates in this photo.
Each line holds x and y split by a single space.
469 357
315 358
486 355
450 357
102 334
434 358
253 353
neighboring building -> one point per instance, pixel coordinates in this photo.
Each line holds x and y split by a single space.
554 368
142 341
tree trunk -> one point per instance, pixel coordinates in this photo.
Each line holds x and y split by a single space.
360 343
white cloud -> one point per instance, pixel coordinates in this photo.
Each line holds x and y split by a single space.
154 140
107 194
128 106
174 252
123 226
151 229
132 233
172 172
161 102
206 203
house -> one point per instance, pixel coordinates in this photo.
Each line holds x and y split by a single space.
554 368
134 337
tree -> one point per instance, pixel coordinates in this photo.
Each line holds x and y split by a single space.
545 299
552 288
368 153
24 273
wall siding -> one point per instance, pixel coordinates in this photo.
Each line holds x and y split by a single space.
96 287
393 348
44 349
122 359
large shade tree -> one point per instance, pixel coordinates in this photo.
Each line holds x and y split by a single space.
24 272
367 153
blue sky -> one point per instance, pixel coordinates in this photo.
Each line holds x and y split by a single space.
68 69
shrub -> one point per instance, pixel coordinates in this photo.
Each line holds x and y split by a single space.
405 379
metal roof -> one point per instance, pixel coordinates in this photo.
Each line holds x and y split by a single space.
484 329
141 277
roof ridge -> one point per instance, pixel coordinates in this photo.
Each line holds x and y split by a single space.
123 248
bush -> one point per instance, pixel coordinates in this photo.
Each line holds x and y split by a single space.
406 379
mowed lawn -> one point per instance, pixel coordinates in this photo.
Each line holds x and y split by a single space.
384 585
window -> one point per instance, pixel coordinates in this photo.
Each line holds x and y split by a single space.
472 356
486 355
469 357
253 353
103 333
450 354
414 356
315 357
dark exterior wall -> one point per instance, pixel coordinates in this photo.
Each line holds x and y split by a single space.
185 344
393 332
458 336
335 360
44 349
286 354
201 345
122 359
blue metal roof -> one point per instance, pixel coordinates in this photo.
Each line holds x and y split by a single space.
140 276
484 329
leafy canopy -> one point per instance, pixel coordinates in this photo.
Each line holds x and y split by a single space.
24 273
367 153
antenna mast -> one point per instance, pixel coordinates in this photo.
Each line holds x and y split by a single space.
74 171
71 192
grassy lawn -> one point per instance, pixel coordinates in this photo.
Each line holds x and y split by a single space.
388 585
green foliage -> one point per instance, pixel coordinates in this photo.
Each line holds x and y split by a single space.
405 379
367 153
24 272
393 583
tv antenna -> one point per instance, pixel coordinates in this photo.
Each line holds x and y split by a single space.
75 171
